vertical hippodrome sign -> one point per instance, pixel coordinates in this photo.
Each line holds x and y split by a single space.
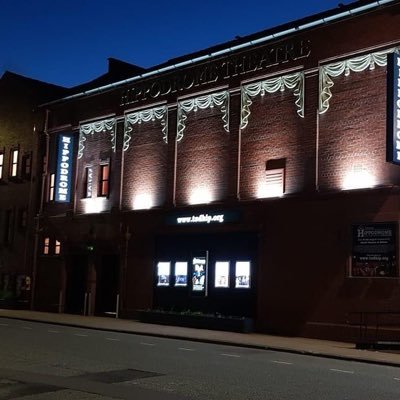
64 168
393 109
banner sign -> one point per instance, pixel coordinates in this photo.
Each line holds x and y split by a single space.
374 250
393 109
64 168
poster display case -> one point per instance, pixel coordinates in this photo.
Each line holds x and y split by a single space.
200 272
242 274
163 273
221 274
181 271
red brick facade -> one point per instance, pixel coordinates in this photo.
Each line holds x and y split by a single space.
300 243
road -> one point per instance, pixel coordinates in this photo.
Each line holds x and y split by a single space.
44 361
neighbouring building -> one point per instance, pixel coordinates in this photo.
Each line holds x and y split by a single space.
255 178
21 166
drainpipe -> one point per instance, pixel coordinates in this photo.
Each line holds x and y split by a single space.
40 213
317 154
239 161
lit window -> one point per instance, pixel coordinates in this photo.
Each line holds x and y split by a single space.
104 180
14 163
57 249
88 190
52 186
1 165
46 245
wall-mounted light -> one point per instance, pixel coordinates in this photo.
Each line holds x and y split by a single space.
95 205
200 196
142 202
358 178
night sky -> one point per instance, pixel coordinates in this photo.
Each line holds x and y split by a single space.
67 42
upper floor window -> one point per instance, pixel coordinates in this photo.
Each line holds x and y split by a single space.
9 227
46 245
52 183
1 164
14 163
57 247
275 177
27 165
104 181
88 189
22 219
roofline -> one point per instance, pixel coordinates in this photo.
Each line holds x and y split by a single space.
312 24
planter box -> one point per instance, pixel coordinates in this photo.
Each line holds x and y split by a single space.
222 323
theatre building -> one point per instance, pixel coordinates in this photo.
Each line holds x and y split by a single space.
257 178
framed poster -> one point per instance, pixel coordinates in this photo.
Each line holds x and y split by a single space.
163 273
221 274
374 250
181 270
242 274
200 272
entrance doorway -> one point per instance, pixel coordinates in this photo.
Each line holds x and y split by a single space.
107 282
76 284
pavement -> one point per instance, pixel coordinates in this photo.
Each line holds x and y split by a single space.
299 345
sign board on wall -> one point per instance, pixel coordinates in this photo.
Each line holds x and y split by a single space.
374 250
65 160
393 109
203 218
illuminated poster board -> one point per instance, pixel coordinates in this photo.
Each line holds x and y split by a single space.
163 273
199 273
242 274
393 109
221 274
374 250
64 169
181 270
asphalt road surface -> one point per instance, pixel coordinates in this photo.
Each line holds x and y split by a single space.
46 362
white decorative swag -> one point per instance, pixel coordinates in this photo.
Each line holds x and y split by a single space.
357 64
220 100
294 82
106 125
152 114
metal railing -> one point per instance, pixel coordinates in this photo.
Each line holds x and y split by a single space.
375 326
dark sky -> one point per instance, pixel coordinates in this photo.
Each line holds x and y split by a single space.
67 42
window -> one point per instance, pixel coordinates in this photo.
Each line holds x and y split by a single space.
104 180
52 183
9 227
88 189
27 165
46 245
57 248
1 164
275 177
14 163
22 219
